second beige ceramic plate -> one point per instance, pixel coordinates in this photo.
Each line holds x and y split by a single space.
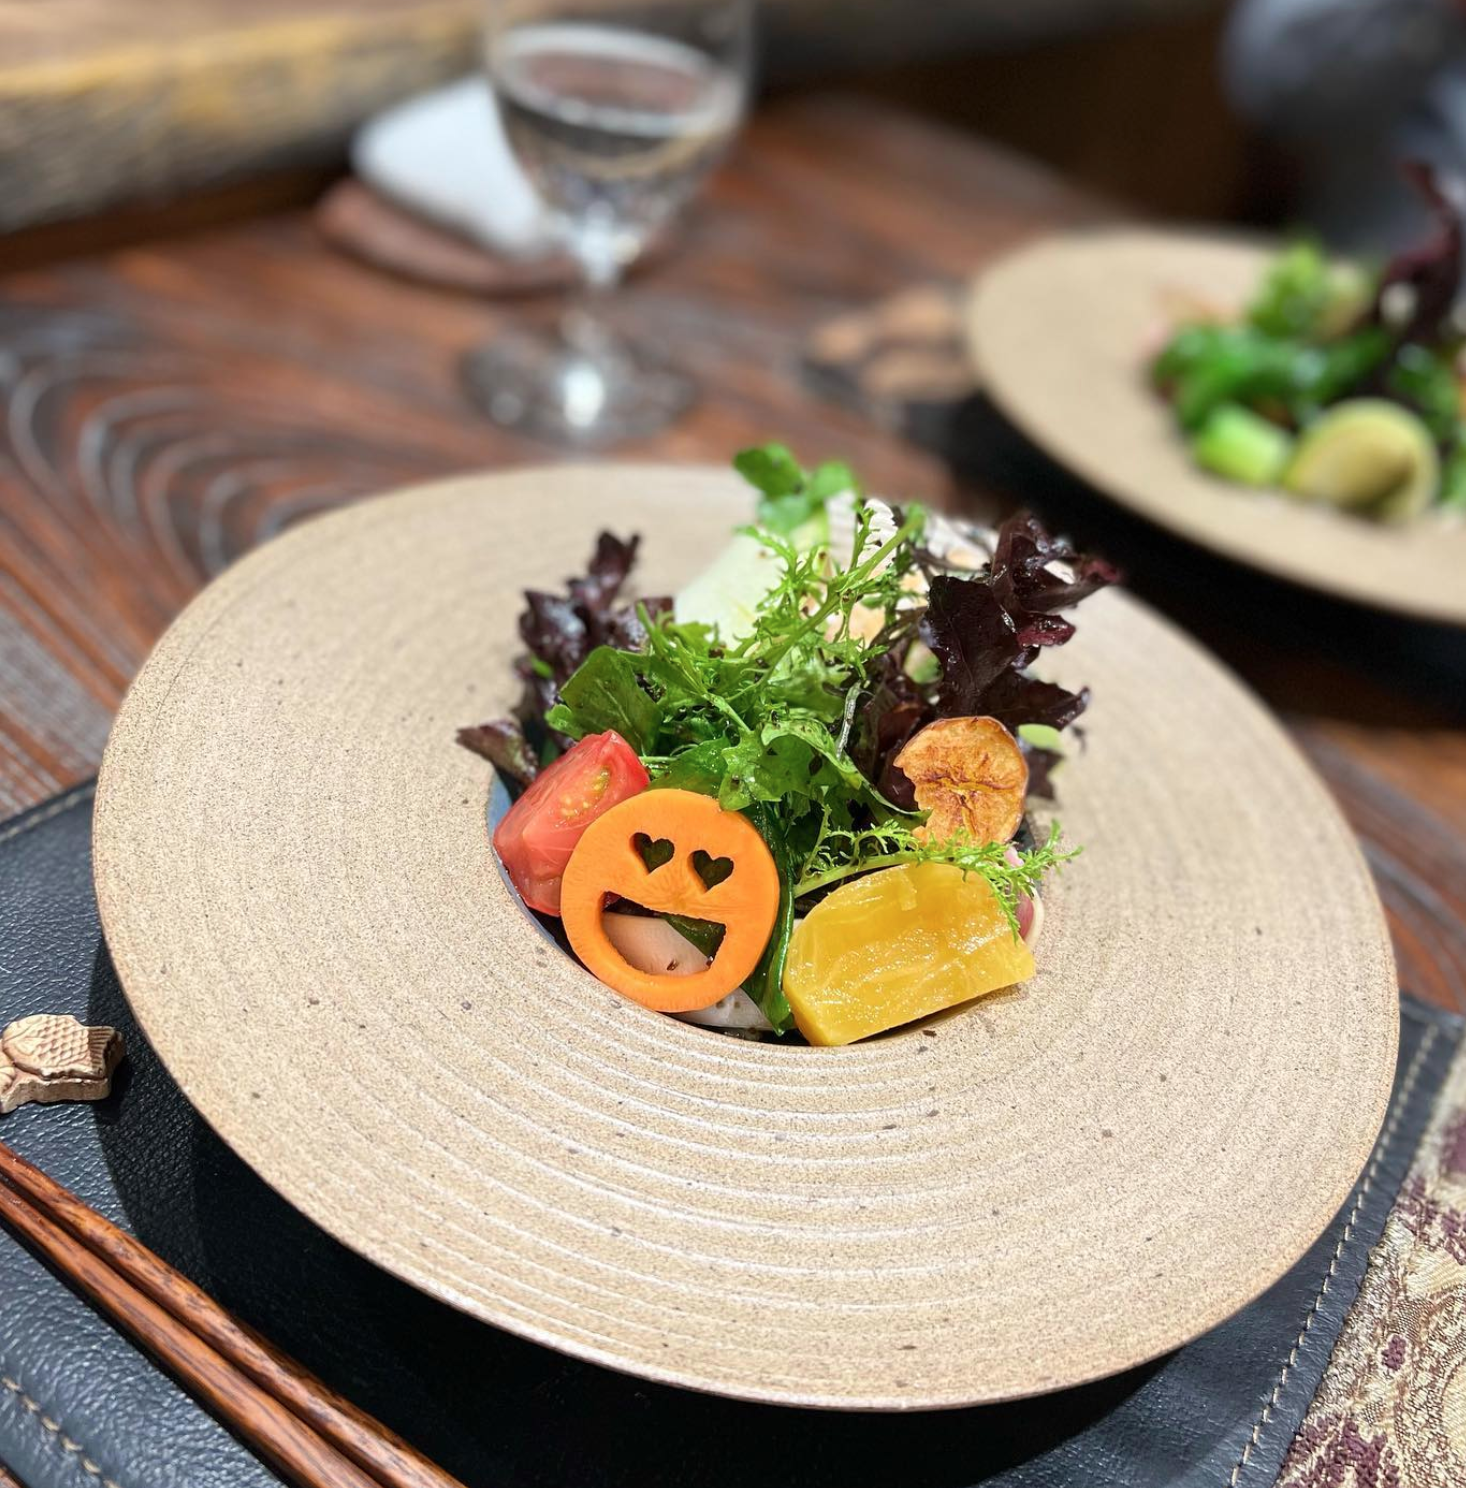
1061 332
1052 1184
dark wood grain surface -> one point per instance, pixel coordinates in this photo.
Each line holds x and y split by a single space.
168 405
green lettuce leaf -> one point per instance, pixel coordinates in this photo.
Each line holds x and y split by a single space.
605 692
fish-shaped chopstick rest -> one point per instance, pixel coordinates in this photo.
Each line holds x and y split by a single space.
52 1057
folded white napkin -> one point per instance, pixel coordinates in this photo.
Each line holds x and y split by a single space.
444 156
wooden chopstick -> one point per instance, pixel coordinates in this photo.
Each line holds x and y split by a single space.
307 1429
280 1436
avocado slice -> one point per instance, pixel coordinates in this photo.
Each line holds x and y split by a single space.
728 592
1366 455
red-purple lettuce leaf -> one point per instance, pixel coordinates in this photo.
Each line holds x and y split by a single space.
987 630
559 631
1430 270
1041 765
503 744
892 711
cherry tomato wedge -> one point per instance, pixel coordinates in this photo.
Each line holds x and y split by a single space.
536 836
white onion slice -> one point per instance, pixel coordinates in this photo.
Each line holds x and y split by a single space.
653 945
736 1010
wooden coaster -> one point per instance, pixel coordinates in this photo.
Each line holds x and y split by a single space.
359 221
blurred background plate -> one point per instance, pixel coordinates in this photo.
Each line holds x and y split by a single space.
1061 332
1053 1184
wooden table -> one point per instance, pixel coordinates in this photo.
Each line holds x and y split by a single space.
169 405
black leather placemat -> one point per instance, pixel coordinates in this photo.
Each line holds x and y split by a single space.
79 1408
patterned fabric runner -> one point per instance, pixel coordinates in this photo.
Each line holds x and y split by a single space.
1391 1411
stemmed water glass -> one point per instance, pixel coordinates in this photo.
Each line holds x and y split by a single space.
616 111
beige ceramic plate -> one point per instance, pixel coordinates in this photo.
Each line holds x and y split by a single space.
1058 1182
1060 333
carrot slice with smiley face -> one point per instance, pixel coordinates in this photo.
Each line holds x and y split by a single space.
743 898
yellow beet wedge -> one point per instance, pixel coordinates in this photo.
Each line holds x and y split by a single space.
898 945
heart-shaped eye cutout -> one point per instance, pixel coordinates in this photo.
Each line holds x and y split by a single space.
654 851
712 871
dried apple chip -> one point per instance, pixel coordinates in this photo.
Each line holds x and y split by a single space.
970 775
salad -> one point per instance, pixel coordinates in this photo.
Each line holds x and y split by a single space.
792 799
1339 384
